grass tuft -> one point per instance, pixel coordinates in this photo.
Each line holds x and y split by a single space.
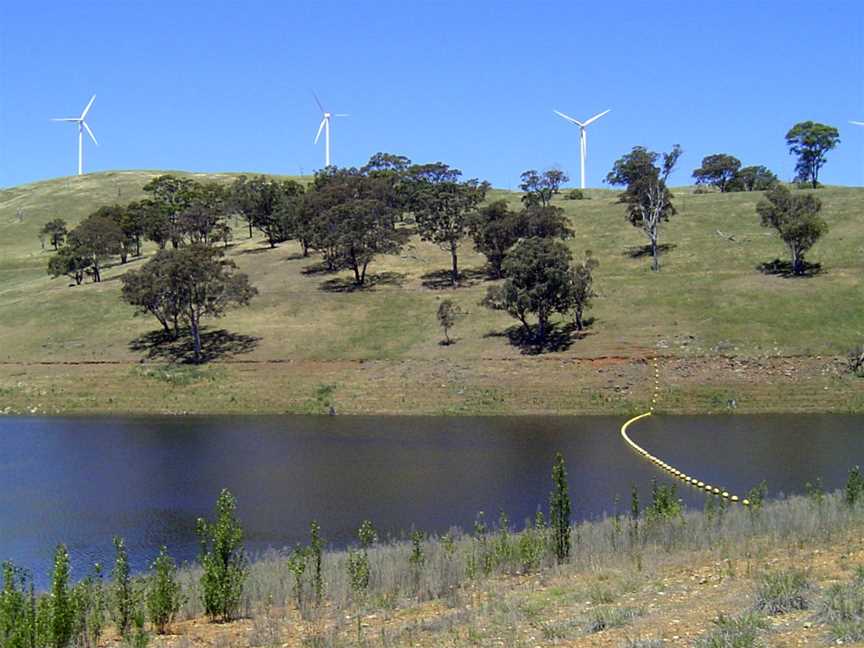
782 591
734 632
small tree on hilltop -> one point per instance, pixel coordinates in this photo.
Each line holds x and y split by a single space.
222 560
559 510
753 178
810 141
539 188
448 314
648 200
717 170
796 219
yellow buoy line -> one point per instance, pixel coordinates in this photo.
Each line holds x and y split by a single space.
687 479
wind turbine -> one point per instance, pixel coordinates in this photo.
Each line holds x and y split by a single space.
583 138
325 126
81 126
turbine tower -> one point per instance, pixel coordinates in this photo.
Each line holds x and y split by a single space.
583 139
325 126
82 125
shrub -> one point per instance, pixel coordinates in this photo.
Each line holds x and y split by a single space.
164 597
121 589
222 560
316 546
608 617
665 504
734 632
854 486
17 622
782 591
575 194
559 510
856 361
842 609
358 561
62 614
297 566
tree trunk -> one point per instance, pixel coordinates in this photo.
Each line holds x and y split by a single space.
656 260
305 245
250 228
196 337
454 276
357 279
541 328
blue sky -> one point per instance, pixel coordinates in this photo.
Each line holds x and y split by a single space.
226 86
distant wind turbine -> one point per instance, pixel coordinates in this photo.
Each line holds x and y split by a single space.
583 139
82 125
325 126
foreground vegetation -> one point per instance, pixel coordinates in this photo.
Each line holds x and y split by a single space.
376 349
657 576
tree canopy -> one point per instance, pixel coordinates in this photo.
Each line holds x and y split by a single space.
810 141
185 285
795 217
717 170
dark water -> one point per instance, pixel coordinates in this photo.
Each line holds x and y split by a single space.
82 480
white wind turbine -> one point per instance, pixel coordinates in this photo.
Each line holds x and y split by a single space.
325 126
81 126
583 139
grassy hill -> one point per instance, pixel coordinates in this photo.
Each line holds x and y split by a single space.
726 331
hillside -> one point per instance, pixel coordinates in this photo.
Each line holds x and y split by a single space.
728 334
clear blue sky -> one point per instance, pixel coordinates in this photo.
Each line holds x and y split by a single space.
226 86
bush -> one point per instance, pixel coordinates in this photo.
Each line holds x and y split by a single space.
223 561
734 632
122 599
575 194
163 592
783 591
62 613
17 622
856 361
559 510
854 486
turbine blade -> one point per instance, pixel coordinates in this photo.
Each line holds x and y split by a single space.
597 116
342 115
857 123
68 119
568 118
318 101
320 128
87 109
89 132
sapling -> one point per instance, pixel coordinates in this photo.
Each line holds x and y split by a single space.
223 561
164 597
122 598
559 510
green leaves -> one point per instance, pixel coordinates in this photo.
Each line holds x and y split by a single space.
810 141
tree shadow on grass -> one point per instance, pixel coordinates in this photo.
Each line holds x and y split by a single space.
783 269
559 337
347 284
441 279
215 345
317 268
639 251
257 250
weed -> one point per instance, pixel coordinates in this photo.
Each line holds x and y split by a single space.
782 591
609 617
734 632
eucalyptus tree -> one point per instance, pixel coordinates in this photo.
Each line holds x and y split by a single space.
717 170
648 199
810 141
796 219
442 205
172 195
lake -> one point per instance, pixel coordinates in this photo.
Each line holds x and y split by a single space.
83 480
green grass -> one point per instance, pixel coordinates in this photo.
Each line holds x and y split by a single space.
708 299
